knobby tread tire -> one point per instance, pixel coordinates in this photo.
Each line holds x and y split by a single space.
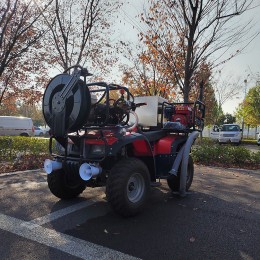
58 187
116 189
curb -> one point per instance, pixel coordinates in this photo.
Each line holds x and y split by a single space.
231 169
19 172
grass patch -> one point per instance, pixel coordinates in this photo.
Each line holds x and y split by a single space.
249 141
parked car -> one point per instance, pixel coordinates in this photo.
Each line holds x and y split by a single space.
38 131
230 133
14 125
214 134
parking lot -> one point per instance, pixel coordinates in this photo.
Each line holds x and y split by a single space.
219 219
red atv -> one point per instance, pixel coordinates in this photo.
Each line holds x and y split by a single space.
125 143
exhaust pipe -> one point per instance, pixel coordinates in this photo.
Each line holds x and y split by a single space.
50 166
87 171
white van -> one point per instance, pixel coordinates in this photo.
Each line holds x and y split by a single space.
13 125
230 133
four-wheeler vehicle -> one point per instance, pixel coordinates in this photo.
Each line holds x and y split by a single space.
126 143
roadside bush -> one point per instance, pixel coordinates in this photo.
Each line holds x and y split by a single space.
209 153
12 147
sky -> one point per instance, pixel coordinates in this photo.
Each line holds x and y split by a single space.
244 66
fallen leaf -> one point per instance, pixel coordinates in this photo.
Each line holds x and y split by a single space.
192 239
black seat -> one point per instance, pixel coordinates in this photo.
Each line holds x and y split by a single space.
154 135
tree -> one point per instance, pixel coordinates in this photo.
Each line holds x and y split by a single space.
249 109
20 56
225 88
185 35
225 119
18 30
80 33
147 77
144 77
209 100
33 111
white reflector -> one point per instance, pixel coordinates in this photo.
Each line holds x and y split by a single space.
87 171
50 166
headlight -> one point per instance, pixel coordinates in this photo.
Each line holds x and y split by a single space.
97 149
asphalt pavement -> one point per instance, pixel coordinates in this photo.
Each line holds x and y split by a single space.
218 219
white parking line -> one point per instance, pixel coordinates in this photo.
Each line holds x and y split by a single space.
61 213
60 241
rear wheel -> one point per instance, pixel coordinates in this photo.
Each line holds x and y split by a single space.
24 134
128 185
60 187
174 181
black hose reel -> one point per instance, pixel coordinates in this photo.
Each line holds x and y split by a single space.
67 102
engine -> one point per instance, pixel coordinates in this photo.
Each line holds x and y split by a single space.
184 116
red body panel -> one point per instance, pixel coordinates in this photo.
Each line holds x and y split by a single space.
141 148
163 146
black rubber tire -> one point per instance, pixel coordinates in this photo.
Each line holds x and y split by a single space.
24 134
59 188
174 181
128 186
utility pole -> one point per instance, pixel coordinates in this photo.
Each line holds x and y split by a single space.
243 122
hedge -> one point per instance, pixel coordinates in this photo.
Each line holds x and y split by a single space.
12 147
206 152
210 153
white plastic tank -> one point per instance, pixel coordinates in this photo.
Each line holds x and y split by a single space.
148 114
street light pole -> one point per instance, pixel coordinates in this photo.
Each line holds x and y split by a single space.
243 122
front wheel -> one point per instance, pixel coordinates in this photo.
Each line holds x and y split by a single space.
127 187
174 181
60 186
